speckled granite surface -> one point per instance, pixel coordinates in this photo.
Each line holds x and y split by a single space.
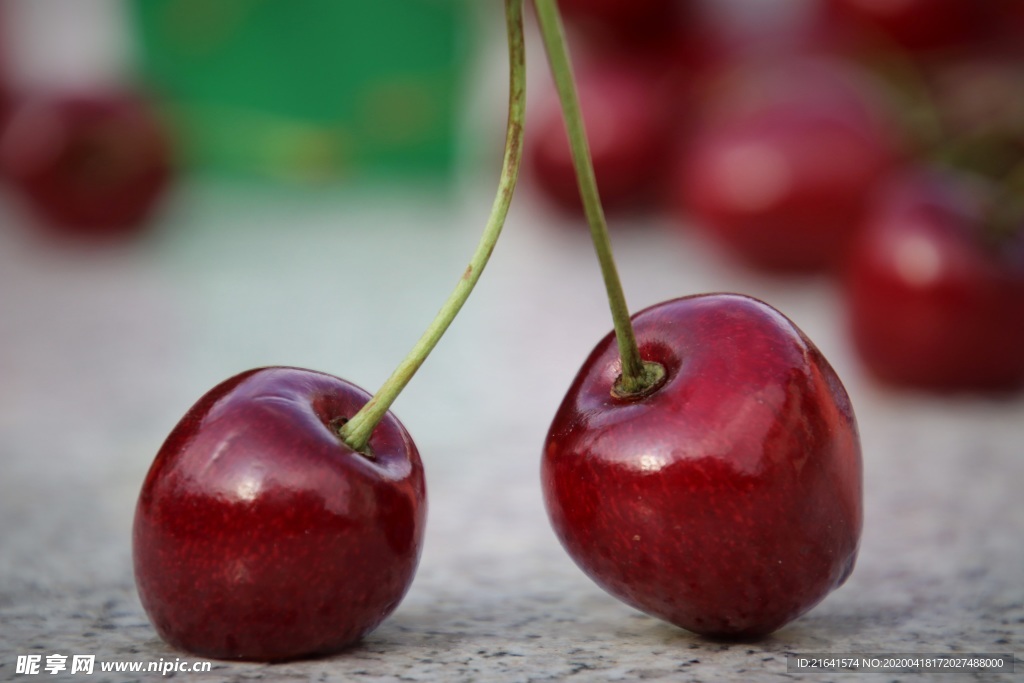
102 352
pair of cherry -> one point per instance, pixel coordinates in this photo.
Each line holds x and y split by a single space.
703 467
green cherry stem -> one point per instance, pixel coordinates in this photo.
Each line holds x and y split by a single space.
638 377
356 431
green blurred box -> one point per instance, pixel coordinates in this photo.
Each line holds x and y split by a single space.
310 89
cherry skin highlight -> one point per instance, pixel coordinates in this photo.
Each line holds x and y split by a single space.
933 302
260 535
726 501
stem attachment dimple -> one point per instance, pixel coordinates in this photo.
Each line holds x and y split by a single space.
356 432
638 377
654 376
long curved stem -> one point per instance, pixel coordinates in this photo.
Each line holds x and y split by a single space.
638 377
356 432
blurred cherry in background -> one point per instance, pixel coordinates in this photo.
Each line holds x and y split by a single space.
90 164
775 131
786 159
935 286
794 142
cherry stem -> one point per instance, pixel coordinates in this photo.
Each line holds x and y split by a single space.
638 377
356 432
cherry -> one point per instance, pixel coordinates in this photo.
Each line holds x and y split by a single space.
93 164
283 516
727 500
934 301
260 534
628 120
704 466
780 177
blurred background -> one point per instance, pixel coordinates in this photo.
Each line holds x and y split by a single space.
191 189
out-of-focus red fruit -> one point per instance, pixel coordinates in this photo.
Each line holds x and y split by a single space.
628 121
934 302
780 173
87 164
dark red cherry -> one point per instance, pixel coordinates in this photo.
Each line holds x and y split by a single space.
260 535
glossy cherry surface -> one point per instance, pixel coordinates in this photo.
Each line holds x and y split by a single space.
933 301
88 164
728 500
260 535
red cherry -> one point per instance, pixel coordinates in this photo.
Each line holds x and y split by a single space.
931 304
88 164
728 500
780 176
260 535
628 121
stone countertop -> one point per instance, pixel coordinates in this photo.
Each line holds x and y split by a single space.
102 350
